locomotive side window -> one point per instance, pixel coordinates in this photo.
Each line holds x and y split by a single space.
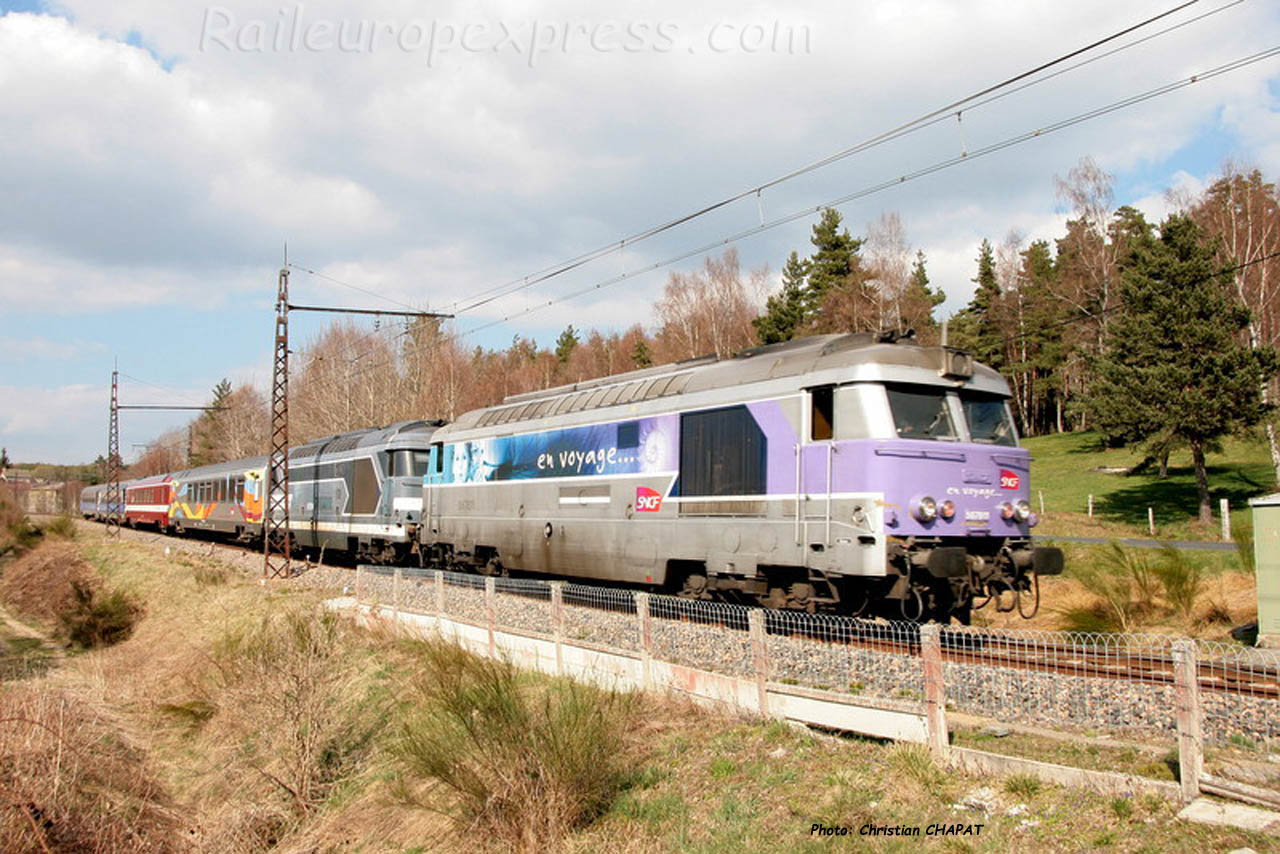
921 412
722 452
822 413
437 450
988 418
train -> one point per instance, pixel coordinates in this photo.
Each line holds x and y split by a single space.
356 493
862 474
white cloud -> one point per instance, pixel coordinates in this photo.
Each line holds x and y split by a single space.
170 176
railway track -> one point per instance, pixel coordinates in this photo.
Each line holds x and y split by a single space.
959 646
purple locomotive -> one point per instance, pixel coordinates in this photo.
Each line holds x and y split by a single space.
858 473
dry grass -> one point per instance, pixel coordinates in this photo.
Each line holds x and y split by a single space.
72 780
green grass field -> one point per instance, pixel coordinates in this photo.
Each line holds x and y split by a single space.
1066 469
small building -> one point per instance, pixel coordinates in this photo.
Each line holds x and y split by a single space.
1266 551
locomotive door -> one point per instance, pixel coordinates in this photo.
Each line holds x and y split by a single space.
815 466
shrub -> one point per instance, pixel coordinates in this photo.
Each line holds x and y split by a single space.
523 762
60 526
98 618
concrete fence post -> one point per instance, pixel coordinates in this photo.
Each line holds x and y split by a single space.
1042 502
490 589
1090 505
935 690
646 641
759 658
1224 510
1187 698
359 578
396 587
1151 520
557 622
439 574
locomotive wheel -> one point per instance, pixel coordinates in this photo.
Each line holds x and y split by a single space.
695 587
494 567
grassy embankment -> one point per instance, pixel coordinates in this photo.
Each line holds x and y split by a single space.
1203 593
239 718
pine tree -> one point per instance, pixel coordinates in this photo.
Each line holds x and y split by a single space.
565 344
919 300
207 433
834 259
784 311
1178 372
641 357
976 326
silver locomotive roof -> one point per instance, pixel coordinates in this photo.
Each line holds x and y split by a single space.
817 360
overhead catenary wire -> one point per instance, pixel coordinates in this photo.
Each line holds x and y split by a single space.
937 166
925 120
904 178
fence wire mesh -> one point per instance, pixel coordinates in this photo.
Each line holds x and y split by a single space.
601 615
706 635
1112 682
873 658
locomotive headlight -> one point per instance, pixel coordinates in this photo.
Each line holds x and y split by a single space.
947 510
1006 511
926 509
1022 511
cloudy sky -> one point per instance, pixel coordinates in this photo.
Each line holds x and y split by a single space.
155 158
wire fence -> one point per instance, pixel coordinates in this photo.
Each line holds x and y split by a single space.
1109 682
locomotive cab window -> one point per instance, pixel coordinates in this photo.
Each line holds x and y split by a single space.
988 418
921 412
822 413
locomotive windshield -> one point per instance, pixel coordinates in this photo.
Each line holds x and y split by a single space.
920 412
410 463
988 419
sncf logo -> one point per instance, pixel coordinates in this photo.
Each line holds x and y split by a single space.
648 500
1008 479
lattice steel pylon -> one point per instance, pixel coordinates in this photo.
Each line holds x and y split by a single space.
275 518
114 498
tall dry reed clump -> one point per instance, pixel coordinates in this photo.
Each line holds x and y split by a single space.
71 781
1131 590
521 761
290 712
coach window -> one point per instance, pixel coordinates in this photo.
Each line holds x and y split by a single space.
437 451
822 413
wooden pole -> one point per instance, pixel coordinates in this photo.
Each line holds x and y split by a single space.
1151 520
1187 697
935 692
